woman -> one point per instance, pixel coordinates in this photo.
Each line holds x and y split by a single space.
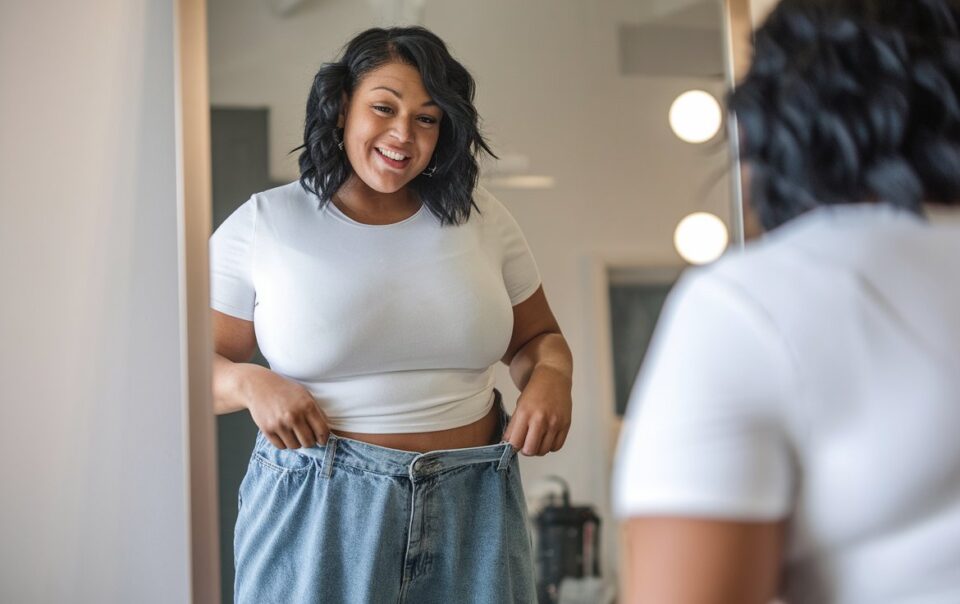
793 433
382 288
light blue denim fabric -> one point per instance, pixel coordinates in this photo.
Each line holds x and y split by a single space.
351 522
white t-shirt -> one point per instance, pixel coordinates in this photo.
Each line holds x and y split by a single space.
393 328
816 376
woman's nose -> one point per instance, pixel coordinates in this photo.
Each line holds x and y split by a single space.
402 130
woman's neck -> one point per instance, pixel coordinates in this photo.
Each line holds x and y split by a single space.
363 204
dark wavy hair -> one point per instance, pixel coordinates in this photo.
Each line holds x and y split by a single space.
850 101
324 168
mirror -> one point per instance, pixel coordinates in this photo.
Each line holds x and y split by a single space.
578 101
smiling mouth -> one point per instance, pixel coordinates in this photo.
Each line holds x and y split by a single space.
392 154
392 159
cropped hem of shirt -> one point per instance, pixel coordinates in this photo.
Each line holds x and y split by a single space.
435 422
393 328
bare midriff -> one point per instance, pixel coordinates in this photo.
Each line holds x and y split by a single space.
480 433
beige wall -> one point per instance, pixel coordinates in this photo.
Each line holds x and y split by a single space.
94 505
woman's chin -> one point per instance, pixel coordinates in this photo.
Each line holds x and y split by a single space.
387 184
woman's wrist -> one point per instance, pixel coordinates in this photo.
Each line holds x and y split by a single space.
546 354
553 371
241 377
250 375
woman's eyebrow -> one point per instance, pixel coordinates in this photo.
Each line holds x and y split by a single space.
430 103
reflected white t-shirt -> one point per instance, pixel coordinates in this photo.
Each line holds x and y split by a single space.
393 328
816 376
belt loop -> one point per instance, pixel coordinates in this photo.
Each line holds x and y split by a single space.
331 449
508 454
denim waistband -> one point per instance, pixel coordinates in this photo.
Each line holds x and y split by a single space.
366 457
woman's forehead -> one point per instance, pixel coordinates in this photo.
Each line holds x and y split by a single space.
399 79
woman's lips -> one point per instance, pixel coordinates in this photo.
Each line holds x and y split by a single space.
393 163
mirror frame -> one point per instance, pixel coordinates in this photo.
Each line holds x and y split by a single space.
194 194
737 41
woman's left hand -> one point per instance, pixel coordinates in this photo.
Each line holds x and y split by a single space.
542 418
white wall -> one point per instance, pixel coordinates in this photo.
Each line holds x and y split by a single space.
548 87
93 505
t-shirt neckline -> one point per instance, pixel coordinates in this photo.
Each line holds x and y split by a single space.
339 215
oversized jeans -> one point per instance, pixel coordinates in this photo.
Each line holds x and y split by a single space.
352 522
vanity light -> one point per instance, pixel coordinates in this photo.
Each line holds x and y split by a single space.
700 238
695 116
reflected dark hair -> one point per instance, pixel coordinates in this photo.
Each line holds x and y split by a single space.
324 168
849 101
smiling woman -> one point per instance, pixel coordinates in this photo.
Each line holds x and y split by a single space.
393 127
383 287
400 93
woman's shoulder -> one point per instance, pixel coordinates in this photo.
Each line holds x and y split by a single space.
285 202
291 194
490 210
483 200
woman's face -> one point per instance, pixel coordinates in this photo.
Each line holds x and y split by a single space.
390 127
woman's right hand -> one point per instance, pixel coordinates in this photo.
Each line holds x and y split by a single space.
284 410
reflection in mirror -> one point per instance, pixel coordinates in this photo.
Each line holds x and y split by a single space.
575 99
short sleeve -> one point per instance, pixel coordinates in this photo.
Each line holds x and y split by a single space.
706 428
231 263
520 274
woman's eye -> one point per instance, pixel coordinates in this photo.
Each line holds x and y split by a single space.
426 119
382 109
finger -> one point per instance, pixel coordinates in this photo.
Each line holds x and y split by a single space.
319 425
531 444
506 431
546 445
275 440
288 438
304 434
517 430
561 438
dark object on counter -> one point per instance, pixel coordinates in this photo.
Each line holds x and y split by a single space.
567 544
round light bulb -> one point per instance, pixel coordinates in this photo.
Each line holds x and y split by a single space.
695 116
700 238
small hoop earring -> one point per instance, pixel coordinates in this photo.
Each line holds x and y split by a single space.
429 172
337 137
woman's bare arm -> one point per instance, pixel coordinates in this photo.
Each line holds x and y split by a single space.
234 342
284 410
694 561
542 367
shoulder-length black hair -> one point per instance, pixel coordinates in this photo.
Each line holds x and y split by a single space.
324 168
850 101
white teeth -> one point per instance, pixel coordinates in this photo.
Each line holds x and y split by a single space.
392 155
